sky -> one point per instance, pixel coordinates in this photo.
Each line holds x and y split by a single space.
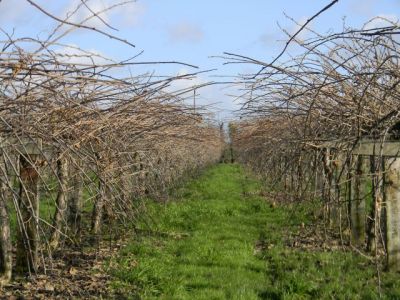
194 32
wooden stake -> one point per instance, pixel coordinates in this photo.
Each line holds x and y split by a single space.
28 240
358 194
5 231
393 214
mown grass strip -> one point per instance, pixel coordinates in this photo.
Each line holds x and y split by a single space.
223 241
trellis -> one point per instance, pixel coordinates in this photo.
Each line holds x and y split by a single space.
387 176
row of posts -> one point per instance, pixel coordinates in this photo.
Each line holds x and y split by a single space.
377 179
26 202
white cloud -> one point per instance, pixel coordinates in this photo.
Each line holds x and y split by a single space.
82 13
18 13
214 98
185 83
269 39
108 11
303 34
382 21
72 54
130 14
185 32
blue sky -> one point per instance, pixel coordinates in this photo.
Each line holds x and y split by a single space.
193 31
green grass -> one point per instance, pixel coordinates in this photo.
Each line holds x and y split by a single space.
223 241
47 207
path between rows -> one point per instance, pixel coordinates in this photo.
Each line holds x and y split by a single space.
220 239
206 244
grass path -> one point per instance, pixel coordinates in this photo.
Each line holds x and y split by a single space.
209 253
223 241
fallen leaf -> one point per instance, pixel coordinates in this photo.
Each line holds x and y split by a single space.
49 287
73 271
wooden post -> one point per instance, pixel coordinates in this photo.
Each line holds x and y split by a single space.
300 181
317 183
393 213
28 215
97 214
61 202
336 193
358 193
75 201
5 232
374 219
329 188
